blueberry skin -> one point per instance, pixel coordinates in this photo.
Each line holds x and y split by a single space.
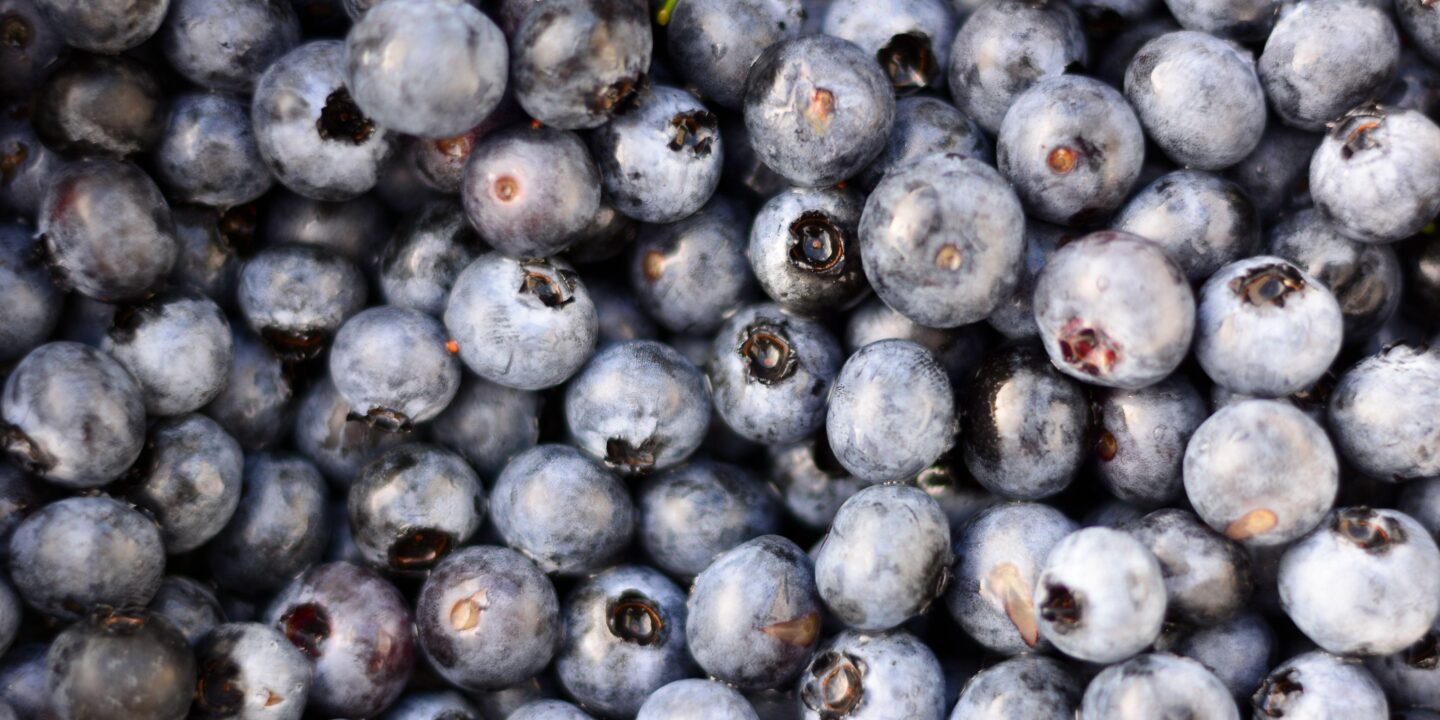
355 229
1023 424
606 236
1157 685
660 160
1142 439
959 350
910 38
487 618
205 262
548 710
805 251
315 139
120 666
226 45
1202 220
811 481
123 244
959 495
713 43
1363 277
277 530
1001 552
79 553
178 347
1317 685
1422 27
529 191
1061 125
393 367
624 639
58 388
189 605
1310 79
296 297
562 510
1237 650
689 274
391 61
20 494
942 239
619 315
1240 20
1114 310
695 700
427 252
1003 49
357 629
1260 472
857 676
754 614
250 671
188 479
100 105
770 374
410 506
1420 499
254 407
1014 317
638 406
1207 576
818 109
208 153
1379 414
1375 174
693 513
892 411
1408 677
1198 97
107 26
926 125
432 705
34 166
33 302
1101 597
526 324
11 612
1028 686
1366 582
871 595
35 45
23 680
576 62
488 424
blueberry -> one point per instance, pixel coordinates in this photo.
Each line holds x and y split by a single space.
356 627
1310 79
1114 310
693 513
624 640
910 38
254 407
689 274
891 411
91 661
1317 684
31 45
189 605
487 618
433 705
1004 48
660 160
1157 685
805 252
812 483
188 479
872 677
529 191
1409 676
818 109
11 612
562 510
226 45
1207 576
960 350
1237 650
394 367
548 710
951 485
1238 20
356 229
411 506
1374 173
313 136
526 324
1101 596
942 239
30 166
177 346
1142 435
33 303
250 671
606 236
208 153
96 104
106 26
1202 220
1421 25
488 424
296 297
575 63
427 252
926 125
205 261
1275 175
1029 686
82 553
23 680
695 700
1363 277
770 374
713 43
638 406
278 528
1378 413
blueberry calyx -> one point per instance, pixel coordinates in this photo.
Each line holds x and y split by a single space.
817 245
617 97
553 288
766 353
295 346
384 419
127 319
306 627
1268 284
23 450
342 120
1367 530
1062 607
835 685
1425 653
419 549
1088 349
1274 694
634 618
217 691
693 131
15 32
1356 127
908 62
620 452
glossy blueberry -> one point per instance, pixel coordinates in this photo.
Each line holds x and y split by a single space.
104 26
356 229
690 514
278 529
818 109
208 153
872 677
118 666
942 239
1202 220
311 133
31 45
1157 685
771 373
189 605
689 274
96 104
1101 596
296 297
805 251
224 45
178 347
1310 79
1380 414
81 553
58 389
926 125
660 160
250 671
33 303
530 190
488 424
1114 310
1207 576
910 38
1363 277
411 506
1375 172
254 407
713 43
487 618
188 479
1029 686
695 700
1004 48
754 614
891 411
1317 684
812 483
427 252
1141 439
1409 676
357 629
562 510
1260 472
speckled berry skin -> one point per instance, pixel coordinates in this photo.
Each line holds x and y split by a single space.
660 160
189 605
713 43
414 493
296 296
327 436
574 63
34 303
812 483
1114 310
143 654
277 530
624 639
1260 472
562 509
754 614
910 38
254 407
1202 220
1207 576
1238 651
1142 438
1198 97
691 514
688 275
696 700
638 406
805 249
393 367
427 252
1004 48
818 109
225 45
859 676
1029 686
548 710
1072 148
432 68
188 479
177 347
942 239
1317 684
1421 24
107 26
488 424
891 412
1363 277
1408 676
1326 57
1376 175
1157 685
268 677
926 125
1380 414
771 374
316 142
1101 597
530 191
208 153
487 618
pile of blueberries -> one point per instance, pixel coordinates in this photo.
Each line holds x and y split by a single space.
719 359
